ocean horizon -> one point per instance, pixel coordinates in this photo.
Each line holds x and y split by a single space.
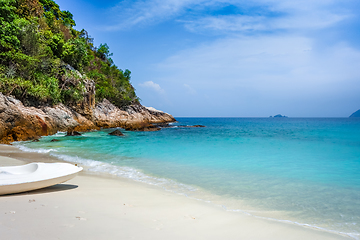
303 171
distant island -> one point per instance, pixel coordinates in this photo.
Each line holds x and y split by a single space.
355 114
279 116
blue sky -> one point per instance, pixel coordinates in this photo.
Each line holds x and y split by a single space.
227 58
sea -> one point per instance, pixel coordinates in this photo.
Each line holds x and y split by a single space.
303 171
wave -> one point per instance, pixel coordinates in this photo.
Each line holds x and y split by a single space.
39 150
167 184
127 172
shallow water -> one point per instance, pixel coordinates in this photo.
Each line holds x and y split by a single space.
302 170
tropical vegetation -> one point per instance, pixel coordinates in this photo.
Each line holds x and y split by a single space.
45 60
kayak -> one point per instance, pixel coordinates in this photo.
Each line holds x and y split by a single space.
32 176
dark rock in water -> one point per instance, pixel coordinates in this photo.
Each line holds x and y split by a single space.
279 116
143 127
193 126
162 125
151 129
73 133
355 114
55 140
36 140
116 133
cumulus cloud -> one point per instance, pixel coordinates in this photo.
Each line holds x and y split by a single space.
151 85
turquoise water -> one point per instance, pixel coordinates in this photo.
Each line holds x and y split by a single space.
305 171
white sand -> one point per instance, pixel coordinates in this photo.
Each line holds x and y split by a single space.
93 207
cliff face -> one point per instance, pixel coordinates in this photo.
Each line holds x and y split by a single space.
20 123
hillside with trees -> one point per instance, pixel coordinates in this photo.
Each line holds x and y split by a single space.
44 60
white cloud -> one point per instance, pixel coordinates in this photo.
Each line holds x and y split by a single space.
151 85
189 89
271 14
293 56
289 19
148 11
227 23
282 70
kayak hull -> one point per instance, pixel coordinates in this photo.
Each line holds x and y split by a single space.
35 176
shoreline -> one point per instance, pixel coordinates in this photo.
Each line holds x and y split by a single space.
100 206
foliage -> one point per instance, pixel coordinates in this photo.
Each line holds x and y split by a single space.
44 60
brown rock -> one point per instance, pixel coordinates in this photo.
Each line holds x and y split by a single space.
141 126
116 133
72 133
20 123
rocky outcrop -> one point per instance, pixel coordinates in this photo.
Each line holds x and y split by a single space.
135 117
20 123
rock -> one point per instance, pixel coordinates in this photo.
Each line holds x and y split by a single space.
194 126
72 133
142 126
150 128
21 123
116 133
36 140
55 140
355 114
162 125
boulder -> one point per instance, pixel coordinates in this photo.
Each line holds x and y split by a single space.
72 133
116 133
141 126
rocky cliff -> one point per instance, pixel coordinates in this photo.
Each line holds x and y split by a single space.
21 123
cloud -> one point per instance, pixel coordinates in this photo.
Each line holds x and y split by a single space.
148 11
286 71
254 15
273 16
151 85
189 89
254 54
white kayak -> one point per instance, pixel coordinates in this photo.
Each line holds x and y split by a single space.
33 176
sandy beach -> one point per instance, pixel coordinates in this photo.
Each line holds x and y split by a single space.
104 207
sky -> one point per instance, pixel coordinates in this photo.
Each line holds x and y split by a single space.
233 58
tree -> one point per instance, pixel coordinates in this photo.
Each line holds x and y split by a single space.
103 53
